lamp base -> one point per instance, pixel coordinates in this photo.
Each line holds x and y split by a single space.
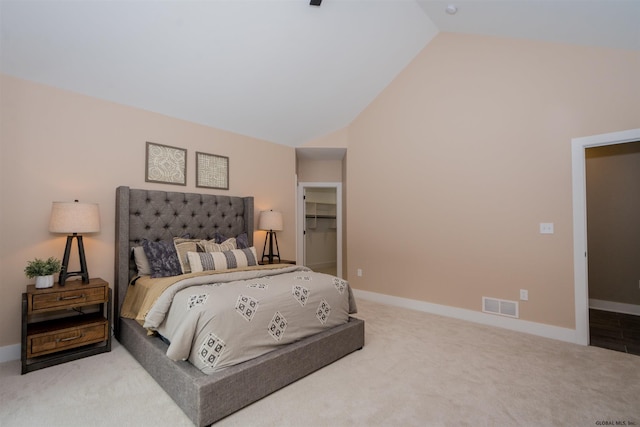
64 273
272 236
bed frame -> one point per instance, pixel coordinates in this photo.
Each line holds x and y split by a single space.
161 215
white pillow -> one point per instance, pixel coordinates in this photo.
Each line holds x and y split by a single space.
206 261
142 262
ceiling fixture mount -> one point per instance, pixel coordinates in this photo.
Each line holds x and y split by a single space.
315 2
451 9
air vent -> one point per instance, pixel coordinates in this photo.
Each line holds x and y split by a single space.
500 307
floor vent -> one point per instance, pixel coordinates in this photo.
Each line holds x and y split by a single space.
500 307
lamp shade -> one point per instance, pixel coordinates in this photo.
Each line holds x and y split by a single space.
270 220
74 217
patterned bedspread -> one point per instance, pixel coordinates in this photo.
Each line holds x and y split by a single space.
238 316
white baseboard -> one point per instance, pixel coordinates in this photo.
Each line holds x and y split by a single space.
518 325
618 307
9 353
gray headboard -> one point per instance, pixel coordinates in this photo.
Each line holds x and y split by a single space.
161 215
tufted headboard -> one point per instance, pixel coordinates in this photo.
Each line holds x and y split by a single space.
161 215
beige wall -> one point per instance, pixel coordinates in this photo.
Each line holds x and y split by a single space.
58 145
450 171
452 168
613 222
337 139
323 170
311 170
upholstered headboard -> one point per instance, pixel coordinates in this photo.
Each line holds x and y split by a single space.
161 215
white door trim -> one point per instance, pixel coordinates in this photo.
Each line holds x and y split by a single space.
302 223
581 289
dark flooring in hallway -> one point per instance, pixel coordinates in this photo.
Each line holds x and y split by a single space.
615 331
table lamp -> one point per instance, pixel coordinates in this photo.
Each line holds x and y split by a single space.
73 218
271 221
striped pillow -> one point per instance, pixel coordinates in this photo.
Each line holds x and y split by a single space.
205 261
184 246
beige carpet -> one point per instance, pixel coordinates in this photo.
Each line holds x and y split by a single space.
416 370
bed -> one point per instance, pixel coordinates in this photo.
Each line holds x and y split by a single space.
160 215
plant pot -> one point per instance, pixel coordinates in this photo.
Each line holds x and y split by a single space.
44 281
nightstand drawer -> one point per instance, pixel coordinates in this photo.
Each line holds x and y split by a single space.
71 298
50 341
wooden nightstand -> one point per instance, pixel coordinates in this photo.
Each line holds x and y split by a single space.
65 323
275 261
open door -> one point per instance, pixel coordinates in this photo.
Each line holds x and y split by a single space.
580 254
320 226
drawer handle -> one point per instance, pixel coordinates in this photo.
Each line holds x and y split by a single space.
69 298
70 338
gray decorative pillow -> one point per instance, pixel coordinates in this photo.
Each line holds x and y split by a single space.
218 237
242 240
163 258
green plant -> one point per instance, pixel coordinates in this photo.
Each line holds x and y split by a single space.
39 267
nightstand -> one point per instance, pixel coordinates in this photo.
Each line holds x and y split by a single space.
65 323
275 261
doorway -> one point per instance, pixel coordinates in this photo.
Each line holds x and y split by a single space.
613 239
578 160
320 226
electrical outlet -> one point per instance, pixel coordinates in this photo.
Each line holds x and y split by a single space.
524 295
359 272
546 228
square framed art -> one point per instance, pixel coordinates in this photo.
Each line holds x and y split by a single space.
166 164
212 171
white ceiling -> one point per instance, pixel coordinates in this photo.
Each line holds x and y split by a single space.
279 70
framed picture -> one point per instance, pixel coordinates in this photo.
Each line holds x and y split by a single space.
212 171
166 164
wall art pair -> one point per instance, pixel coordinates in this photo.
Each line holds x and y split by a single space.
168 165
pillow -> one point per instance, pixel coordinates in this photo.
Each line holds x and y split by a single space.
212 246
242 240
205 261
163 258
142 262
183 246
218 238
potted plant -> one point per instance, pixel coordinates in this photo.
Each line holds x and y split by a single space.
43 271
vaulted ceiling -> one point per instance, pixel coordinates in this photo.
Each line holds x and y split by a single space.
278 70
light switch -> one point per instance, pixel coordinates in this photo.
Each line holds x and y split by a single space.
546 228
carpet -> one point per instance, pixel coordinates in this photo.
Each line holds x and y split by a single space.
416 369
